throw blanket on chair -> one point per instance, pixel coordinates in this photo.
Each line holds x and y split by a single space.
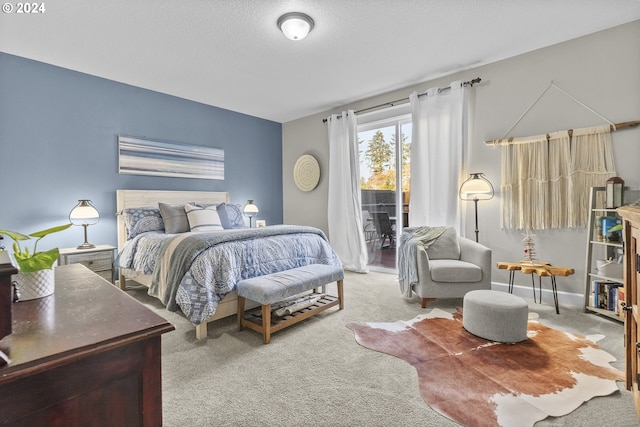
410 238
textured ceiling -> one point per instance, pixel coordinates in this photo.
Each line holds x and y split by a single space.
229 53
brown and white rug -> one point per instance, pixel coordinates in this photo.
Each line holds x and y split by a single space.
476 382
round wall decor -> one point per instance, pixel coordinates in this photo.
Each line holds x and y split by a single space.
306 172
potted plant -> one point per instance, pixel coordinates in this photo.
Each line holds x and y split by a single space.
35 279
613 234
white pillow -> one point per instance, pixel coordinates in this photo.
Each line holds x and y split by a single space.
203 219
446 246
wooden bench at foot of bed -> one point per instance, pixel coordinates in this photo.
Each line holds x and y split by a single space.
272 288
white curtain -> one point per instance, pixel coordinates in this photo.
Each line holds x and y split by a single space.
436 156
345 208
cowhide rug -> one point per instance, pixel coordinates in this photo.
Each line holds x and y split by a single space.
476 382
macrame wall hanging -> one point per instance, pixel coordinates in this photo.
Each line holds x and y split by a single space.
546 178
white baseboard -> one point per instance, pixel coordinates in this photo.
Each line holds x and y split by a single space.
565 299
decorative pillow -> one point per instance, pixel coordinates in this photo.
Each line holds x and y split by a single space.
174 218
446 246
141 220
230 215
203 219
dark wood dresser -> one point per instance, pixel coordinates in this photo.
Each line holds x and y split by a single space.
631 218
88 355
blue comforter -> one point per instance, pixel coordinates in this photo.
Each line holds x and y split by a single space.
195 271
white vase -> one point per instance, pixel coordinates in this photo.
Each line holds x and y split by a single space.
34 285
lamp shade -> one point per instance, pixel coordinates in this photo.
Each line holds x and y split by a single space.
476 187
250 209
295 25
84 213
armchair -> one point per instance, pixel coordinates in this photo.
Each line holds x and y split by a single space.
451 267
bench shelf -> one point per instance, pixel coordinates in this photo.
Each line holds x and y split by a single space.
253 318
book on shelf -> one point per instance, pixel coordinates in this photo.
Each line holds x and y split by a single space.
606 295
621 301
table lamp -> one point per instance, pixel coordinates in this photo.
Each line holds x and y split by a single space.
250 210
84 214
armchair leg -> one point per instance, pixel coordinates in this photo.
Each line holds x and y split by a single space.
424 301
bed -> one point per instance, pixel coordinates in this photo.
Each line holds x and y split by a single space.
196 272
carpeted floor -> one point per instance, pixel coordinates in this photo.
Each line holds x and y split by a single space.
315 374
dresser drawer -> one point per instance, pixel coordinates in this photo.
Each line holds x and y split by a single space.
97 261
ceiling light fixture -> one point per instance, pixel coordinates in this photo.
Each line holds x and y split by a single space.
295 25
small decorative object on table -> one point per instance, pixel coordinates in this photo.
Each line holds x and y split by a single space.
530 255
35 279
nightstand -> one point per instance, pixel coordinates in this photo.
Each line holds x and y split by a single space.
98 259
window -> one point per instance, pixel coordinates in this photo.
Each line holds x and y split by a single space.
385 167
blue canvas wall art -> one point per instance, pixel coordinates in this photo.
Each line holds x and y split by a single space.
159 158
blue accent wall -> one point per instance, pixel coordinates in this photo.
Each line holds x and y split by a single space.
58 144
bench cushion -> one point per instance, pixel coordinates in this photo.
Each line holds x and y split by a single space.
275 287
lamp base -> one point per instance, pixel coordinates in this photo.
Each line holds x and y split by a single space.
86 244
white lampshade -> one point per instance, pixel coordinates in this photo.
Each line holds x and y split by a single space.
250 209
295 25
84 213
476 187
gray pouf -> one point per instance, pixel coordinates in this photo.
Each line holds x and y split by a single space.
496 316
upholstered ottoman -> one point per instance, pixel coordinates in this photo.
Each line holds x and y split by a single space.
496 316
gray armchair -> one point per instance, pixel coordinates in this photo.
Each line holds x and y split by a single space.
444 271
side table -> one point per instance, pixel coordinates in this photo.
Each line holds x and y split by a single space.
542 269
98 259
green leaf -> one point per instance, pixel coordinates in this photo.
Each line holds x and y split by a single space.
27 262
616 227
43 233
39 261
14 235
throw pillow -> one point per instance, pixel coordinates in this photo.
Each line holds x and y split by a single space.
230 215
203 219
141 220
174 218
446 246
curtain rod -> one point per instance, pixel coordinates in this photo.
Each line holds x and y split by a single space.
612 128
403 100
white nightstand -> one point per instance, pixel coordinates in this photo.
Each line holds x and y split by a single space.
98 259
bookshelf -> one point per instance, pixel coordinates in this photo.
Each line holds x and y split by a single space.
604 281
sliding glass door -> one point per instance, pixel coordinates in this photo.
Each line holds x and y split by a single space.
385 168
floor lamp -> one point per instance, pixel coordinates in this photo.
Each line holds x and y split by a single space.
475 188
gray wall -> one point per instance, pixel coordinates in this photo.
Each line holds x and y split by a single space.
58 144
602 70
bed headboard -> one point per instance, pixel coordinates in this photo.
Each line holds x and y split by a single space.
141 198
